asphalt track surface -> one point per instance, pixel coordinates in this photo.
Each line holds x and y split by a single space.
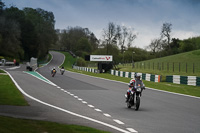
159 112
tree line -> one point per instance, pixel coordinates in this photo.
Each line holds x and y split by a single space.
26 33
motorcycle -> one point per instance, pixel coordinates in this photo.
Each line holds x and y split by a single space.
62 71
134 97
53 73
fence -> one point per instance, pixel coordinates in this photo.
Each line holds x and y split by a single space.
167 66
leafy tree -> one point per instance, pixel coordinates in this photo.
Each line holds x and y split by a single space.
44 34
79 40
10 32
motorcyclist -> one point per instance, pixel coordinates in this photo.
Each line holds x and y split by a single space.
133 83
62 70
53 70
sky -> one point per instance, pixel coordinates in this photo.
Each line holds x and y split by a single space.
146 17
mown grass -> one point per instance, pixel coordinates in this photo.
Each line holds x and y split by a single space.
1 71
13 125
185 64
69 60
9 94
177 88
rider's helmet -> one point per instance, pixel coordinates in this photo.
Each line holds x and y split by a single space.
62 67
137 76
54 68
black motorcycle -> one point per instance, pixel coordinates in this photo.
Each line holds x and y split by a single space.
53 73
62 71
134 97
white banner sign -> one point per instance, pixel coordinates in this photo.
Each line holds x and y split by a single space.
101 58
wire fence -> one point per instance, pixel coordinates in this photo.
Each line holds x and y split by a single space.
181 67
170 66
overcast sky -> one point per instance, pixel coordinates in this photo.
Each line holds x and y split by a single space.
145 16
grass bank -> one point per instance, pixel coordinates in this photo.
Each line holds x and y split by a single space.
9 94
185 64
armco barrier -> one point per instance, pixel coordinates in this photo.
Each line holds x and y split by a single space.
145 76
188 80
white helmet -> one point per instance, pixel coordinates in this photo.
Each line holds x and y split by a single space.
138 75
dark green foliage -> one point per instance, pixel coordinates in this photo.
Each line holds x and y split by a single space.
26 33
78 40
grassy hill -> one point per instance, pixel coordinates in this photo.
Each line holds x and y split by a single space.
187 64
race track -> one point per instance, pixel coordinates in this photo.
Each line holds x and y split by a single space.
103 100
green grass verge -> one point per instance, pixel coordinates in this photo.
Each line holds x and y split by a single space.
1 71
13 125
9 94
177 88
69 60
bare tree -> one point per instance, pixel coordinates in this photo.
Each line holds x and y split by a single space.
126 37
110 34
156 45
165 32
118 35
131 38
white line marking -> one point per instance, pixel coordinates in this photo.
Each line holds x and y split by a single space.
75 96
91 106
98 110
132 130
58 87
118 121
72 94
107 115
80 99
62 89
69 112
65 91
84 102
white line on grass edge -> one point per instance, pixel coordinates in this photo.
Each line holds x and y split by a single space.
69 112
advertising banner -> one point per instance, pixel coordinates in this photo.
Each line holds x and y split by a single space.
101 58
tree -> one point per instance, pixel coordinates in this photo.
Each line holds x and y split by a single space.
165 32
118 35
156 45
79 40
110 35
42 23
10 32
